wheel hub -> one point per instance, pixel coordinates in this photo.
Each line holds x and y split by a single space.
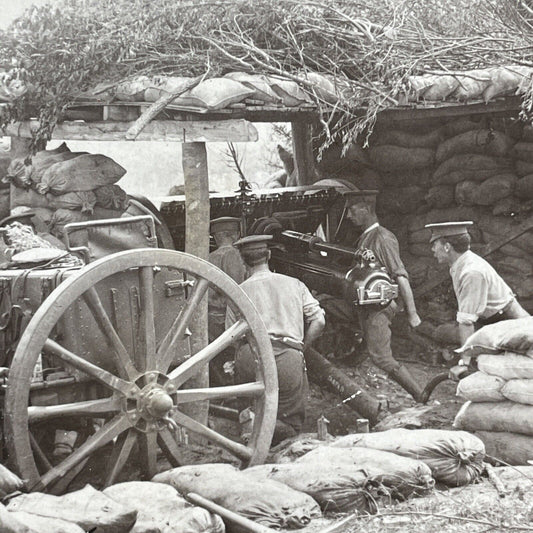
149 408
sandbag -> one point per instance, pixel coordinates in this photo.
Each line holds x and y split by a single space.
476 162
88 508
443 86
421 249
132 90
400 200
161 509
334 487
9 482
213 94
466 174
45 524
504 80
9 524
494 189
23 174
407 177
524 187
61 217
112 197
83 201
485 141
160 86
26 197
481 387
258 83
524 151
495 416
83 173
389 157
289 91
403 476
510 448
406 139
515 335
461 125
454 457
519 390
472 85
440 196
267 502
523 168
465 192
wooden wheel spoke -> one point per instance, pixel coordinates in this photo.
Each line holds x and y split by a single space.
38 451
165 352
148 452
239 450
105 434
147 319
103 376
88 408
120 354
220 393
170 447
190 367
119 457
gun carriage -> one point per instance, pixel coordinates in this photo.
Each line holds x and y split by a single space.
97 355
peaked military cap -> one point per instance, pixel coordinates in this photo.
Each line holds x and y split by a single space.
225 224
354 197
253 242
448 229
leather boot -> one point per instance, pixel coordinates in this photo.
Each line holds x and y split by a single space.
403 377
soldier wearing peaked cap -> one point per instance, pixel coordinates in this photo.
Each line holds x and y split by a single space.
376 323
293 319
482 295
225 230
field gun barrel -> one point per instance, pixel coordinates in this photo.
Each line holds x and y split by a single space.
316 244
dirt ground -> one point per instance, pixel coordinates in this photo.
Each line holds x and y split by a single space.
403 410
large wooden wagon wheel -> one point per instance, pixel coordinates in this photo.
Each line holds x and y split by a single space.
142 401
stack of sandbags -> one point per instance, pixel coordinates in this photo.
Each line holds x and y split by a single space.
500 395
64 187
268 502
455 458
161 509
83 510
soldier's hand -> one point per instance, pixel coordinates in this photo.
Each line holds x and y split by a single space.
414 320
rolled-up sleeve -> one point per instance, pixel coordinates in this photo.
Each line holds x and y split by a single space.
388 254
311 306
471 297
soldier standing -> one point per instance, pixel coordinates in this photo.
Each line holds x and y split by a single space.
376 322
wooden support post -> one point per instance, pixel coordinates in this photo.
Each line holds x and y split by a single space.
303 152
194 161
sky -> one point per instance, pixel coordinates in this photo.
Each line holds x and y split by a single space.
11 9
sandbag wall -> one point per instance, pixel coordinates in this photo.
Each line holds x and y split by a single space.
478 169
500 394
62 187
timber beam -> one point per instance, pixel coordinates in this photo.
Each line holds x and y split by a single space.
233 130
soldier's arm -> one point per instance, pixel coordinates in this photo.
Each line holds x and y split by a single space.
407 296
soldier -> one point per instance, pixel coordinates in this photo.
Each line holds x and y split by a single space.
376 322
293 319
225 230
482 295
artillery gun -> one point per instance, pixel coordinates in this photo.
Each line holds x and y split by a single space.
296 216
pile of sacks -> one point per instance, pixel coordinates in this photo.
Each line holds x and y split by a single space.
135 507
466 169
355 473
500 394
63 187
